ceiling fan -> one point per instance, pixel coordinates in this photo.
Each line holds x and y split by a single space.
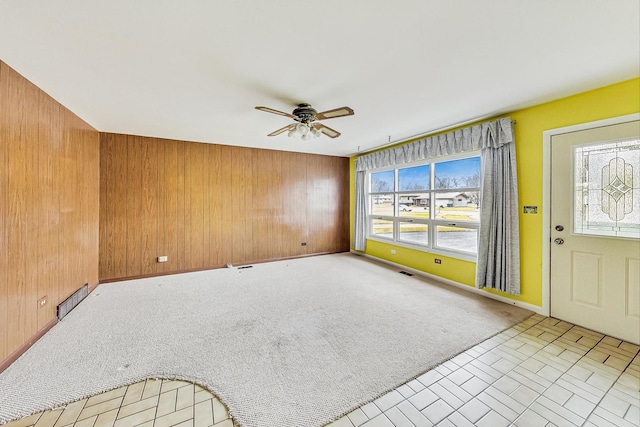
307 118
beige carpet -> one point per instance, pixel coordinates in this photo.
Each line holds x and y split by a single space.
294 343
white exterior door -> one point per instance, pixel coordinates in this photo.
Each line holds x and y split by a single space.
595 229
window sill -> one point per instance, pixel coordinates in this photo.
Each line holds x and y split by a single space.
451 254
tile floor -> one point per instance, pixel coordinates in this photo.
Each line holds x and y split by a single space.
541 372
150 403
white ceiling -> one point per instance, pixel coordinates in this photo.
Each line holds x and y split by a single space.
195 69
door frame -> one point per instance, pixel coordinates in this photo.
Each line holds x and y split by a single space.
546 195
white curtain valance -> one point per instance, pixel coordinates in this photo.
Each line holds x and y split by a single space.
486 135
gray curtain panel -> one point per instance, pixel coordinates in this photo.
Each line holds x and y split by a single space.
498 242
360 214
498 264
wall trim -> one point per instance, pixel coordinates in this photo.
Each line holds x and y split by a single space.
546 195
536 309
193 270
24 347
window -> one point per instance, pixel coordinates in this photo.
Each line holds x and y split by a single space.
607 189
432 206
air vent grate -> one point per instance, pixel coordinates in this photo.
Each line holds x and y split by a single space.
246 266
70 303
405 273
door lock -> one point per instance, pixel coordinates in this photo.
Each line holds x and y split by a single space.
558 241
559 228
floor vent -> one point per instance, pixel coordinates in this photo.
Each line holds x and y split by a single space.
405 273
70 303
246 266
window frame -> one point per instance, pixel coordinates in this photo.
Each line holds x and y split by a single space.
432 222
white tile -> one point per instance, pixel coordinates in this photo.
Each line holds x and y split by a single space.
556 362
558 409
203 414
415 416
457 392
474 410
580 372
444 394
379 421
489 358
422 399
580 388
405 391
388 400
484 368
553 349
398 418
629 381
430 377
618 421
462 359
474 386
550 373
530 376
451 365
558 394
600 381
530 419
437 411
532 365
498 406
506 385
579 406
550 415
633 415
456 419
479 373
525 395
505 399
504 365
570 356
597 421
631 400
460 376
473 353
370 410
493 419
357 417
416 385
443 370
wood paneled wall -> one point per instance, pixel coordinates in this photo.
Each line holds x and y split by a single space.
205 205
49 188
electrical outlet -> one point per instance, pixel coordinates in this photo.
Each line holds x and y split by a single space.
437 261
163 258
42 301
303 244
393 251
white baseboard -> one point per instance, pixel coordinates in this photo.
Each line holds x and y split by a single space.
536 309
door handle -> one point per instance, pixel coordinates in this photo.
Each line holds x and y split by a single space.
558 241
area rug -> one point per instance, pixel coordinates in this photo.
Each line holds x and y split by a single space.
287 343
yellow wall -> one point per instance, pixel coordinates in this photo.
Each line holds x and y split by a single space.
610 101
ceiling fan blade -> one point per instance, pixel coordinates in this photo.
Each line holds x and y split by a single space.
331 133
336 112
279 131
271 110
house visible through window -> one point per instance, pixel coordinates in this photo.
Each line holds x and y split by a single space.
432 206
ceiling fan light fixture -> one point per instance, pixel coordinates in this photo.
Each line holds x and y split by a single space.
305 121
302 129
